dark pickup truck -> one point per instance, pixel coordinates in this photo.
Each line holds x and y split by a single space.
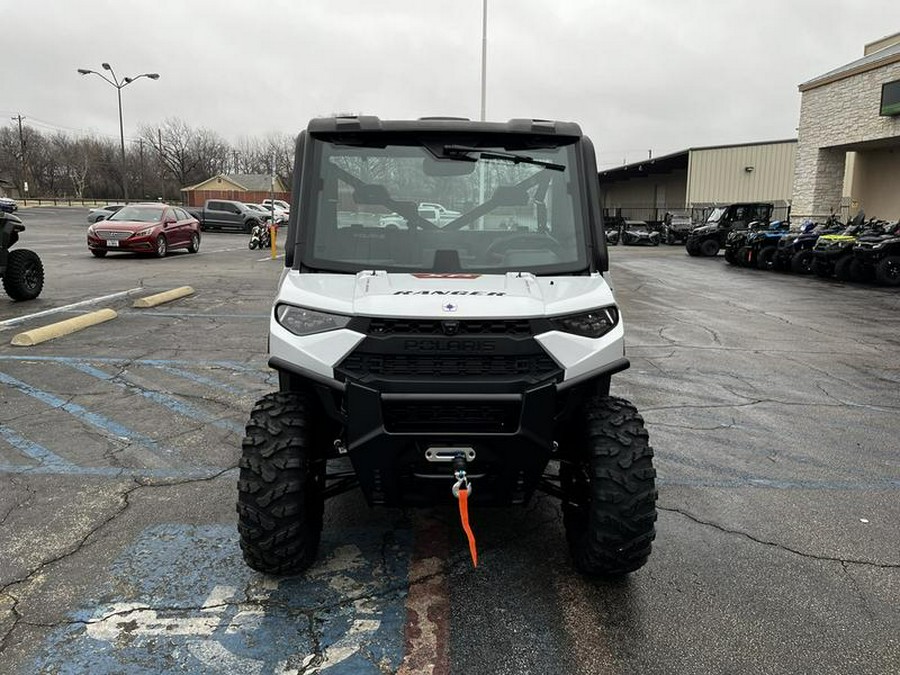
219 214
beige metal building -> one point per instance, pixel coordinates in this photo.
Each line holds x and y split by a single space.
848 155
698 179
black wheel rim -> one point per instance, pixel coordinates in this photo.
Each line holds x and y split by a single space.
32 276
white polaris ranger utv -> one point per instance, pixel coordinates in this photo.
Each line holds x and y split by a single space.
466 360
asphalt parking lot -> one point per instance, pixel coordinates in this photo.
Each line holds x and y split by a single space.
772 401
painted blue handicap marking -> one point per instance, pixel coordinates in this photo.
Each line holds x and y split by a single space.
181 600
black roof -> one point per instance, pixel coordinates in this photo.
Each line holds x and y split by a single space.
662 164
366 124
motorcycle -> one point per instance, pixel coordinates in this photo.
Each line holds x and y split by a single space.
260 237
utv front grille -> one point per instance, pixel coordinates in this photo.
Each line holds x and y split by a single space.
405 354
532 367
446 416
436 327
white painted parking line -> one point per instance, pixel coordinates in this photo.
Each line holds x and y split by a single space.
65 308
223 250
268 257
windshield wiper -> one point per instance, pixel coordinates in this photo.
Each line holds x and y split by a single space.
450 150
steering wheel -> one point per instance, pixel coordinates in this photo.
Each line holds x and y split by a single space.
527 242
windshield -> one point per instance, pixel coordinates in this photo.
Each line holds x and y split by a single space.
446 208
140 214
716 215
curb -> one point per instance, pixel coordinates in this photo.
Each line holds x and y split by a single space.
36 336
159 298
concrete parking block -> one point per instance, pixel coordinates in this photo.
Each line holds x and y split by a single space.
167 296
51 331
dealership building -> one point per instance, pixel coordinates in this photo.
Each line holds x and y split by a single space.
699 179
848 150
846 156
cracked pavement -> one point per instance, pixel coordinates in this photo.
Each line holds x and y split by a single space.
772 405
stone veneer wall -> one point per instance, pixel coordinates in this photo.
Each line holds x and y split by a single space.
841 113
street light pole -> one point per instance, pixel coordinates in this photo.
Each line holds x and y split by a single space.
119 85
483 59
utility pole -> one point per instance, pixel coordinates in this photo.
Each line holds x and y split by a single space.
141 146
24 185
162 169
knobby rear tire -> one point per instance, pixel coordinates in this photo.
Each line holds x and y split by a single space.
842 269
280 488
802 262
24 275
887 271
765 259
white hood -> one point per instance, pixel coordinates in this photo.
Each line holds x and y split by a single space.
512 295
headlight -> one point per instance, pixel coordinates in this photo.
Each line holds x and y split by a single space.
144 233
593 324
302 321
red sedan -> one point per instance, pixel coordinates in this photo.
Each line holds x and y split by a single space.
145 228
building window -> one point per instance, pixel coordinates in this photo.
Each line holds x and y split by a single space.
890 98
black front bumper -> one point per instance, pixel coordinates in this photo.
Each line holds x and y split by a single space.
388 436
388 432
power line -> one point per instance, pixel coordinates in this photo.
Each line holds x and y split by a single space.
42 124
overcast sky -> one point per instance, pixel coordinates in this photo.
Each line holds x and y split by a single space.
638 75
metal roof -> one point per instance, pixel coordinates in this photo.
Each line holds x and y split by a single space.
671 162
882 57
661 164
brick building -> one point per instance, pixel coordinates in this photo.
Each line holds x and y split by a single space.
848 150
250 188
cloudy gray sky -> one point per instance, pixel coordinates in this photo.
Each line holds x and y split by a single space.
639 75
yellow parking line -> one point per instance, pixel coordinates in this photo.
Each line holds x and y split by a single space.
35 336
159 298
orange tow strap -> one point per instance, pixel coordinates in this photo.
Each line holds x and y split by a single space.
464 517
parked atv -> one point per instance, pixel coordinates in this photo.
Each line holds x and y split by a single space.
21 269
762 244
795 249
736 243
877 255
707 239
833 253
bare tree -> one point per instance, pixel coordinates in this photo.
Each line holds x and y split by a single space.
170 156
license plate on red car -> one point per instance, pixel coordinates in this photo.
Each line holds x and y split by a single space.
112 243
